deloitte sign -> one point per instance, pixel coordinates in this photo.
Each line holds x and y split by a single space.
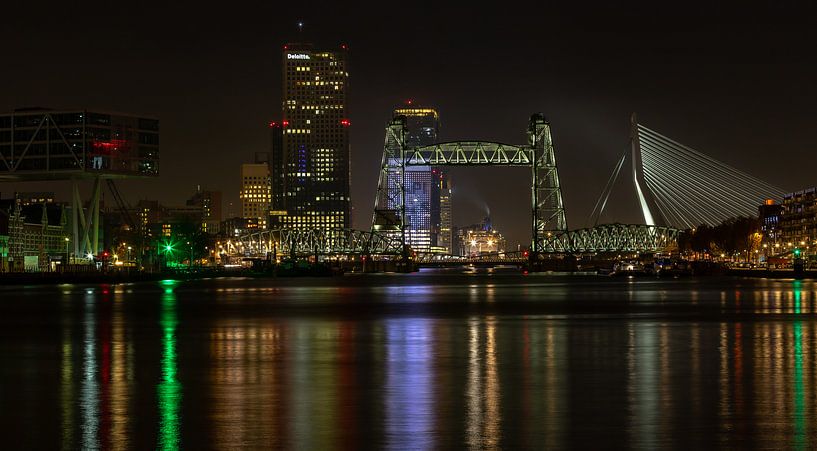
297 56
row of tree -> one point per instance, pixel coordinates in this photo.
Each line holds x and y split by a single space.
733 235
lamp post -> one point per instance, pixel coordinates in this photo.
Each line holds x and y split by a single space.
67 254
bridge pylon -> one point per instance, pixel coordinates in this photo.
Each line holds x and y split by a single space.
389 215
548 220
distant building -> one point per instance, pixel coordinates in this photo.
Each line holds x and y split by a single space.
235 227
209 203
444 237
315 149
769 215
798 220
479 239
255 192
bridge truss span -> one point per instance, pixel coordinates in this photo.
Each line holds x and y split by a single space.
620 238
470 153
314 242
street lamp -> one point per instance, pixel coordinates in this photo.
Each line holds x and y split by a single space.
67 254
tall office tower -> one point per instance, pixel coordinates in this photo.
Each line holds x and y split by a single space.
421 186
315 144
255 192
444 240
277 210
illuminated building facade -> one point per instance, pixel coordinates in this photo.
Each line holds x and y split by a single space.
315 138
769 215
422 186
276 166
255 192
36 235
479 239
444 238
798 220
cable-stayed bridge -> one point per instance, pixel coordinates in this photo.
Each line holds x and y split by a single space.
680 187
677 188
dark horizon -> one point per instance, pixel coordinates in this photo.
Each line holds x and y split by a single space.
738 86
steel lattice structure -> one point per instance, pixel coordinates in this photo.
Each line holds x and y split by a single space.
298 242
306 242
547 207
619 238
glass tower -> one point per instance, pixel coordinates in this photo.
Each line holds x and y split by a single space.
422 188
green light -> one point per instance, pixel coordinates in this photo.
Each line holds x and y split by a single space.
797 252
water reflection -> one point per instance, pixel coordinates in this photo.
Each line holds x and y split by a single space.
408 389
67 381
483 392
89 403
225 367
169 390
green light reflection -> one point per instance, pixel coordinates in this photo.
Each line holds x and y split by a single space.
799 413
169 389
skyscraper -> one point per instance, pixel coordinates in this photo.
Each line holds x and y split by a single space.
277 172
422 189
255 192
444 238
315 138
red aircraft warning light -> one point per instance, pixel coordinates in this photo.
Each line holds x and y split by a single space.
345 122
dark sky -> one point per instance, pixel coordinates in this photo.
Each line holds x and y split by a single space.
736 82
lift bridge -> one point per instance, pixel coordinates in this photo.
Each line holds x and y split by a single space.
677 188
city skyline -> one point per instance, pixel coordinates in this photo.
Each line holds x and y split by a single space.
716 85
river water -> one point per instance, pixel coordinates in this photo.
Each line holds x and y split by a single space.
443 359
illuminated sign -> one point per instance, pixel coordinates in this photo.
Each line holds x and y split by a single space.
297 56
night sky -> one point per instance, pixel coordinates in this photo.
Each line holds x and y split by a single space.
737 84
